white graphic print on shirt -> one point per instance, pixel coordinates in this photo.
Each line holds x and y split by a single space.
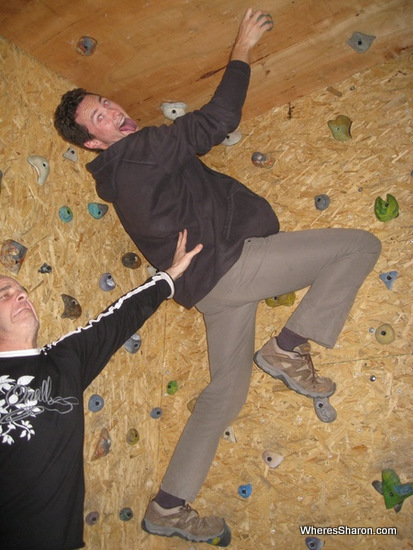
18 401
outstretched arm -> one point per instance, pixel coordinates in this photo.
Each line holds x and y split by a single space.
182 258
251 29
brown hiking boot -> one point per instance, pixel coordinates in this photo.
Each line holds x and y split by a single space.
294 368
185 522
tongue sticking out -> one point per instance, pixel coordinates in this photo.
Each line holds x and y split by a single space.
128 126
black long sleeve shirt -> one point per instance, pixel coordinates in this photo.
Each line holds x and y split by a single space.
42 423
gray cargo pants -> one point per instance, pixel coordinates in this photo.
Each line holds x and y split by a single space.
333 263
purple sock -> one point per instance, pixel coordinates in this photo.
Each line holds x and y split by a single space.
288 340
168 501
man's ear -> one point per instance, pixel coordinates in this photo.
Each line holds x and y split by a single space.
95 144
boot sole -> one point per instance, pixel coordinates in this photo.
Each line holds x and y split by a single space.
289 382
222 539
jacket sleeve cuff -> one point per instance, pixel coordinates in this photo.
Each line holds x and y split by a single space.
169 280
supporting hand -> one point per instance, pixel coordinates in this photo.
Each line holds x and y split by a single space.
250 31
182 258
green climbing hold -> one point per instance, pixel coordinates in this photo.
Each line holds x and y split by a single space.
282 300
386 210
340 128
393 491
172 387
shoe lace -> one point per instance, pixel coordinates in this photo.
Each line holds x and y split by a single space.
310 363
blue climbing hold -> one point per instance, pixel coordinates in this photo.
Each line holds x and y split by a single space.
65 214
126 514
156 412
389 278
313 543
97 210
96 403
245 490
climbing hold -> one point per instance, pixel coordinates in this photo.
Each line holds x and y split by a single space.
156 412
229 434
151 270
65 214
86 45
72 309
103 445
385 334
393 491
340 128
314 543
41 166
172 387
173 110
106 282
372 378
126 514
322 202
360 42
92 518
386 210
389 278
262 160
272 459
133 343
324 410
132 437
45 268
12 255
191 404
71 154
1 177
232 138
245 490
96 403
282 300
131 260
97 210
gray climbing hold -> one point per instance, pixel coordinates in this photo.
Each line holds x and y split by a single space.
133 343
70 154
45 268
232 138
272 459
92 518
262 160
42 167
106 282
173 110
360 42
322 202
324 410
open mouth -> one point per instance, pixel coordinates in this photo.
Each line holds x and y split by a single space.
128 125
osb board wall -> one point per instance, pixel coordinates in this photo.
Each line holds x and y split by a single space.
325 478
307 49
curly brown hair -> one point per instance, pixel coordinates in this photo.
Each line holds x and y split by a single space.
64 118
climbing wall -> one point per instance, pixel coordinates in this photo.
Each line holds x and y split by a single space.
326 472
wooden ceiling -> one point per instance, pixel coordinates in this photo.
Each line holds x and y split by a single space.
152 51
